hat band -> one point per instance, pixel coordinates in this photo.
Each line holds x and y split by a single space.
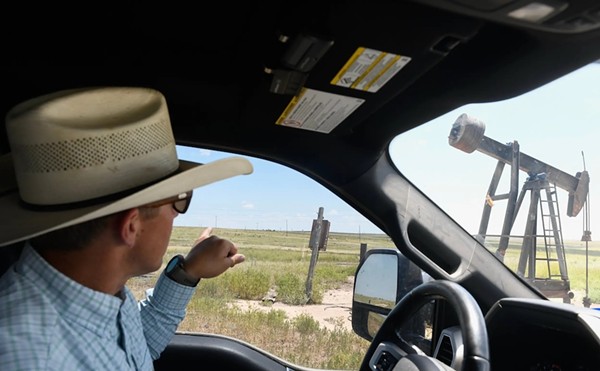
94 201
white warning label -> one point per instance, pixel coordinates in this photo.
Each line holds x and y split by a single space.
369 69
318 111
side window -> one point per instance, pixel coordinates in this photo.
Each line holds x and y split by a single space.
286 298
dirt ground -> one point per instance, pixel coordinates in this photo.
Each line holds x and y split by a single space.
336 307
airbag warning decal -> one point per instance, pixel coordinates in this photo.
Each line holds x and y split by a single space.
317 110
369 69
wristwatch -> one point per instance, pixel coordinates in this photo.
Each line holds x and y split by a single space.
175 271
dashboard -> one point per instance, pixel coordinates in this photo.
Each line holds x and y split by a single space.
515 334
527 334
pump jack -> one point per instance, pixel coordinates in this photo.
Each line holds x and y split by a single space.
467 134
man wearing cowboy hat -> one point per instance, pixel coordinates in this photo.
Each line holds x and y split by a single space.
96 187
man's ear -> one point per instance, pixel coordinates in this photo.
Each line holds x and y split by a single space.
129 226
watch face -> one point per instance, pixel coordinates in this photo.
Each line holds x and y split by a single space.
174 262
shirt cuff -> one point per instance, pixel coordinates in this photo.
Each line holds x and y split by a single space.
170 294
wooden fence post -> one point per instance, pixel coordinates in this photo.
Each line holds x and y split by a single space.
315 238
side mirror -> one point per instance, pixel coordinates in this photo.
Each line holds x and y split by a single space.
382 278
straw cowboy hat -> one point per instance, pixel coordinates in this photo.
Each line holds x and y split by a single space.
81 154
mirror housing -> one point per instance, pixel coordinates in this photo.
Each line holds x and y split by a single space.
382 278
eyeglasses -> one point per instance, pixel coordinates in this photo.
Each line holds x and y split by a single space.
180 203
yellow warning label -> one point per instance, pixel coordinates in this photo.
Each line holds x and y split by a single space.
318 110
369 69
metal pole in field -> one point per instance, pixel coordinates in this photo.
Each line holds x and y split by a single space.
363 251
313 244
587 237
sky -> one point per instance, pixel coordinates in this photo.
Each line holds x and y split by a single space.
278 198
272 197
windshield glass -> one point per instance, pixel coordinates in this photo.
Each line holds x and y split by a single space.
536 219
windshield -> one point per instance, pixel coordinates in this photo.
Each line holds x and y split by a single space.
515 174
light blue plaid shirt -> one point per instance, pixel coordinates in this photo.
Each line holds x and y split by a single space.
50 322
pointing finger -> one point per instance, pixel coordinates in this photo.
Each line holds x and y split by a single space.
204 235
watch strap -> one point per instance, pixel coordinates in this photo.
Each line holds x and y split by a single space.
175 271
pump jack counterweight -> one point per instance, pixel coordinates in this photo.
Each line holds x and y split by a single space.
467 134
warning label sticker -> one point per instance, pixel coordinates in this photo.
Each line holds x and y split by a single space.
369 69
318 111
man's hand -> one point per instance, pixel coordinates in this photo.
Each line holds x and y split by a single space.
211 256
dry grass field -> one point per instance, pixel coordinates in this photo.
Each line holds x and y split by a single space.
312 335
315 335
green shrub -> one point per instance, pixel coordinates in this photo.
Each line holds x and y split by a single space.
305 324
291 289
272 319
343 359
213 288
248 284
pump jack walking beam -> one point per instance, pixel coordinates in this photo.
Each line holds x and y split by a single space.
467 135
